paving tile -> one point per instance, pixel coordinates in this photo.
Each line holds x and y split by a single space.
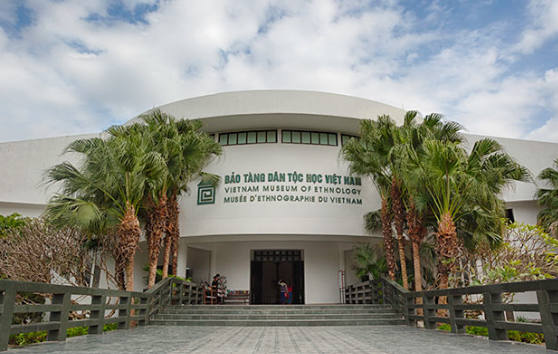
280 339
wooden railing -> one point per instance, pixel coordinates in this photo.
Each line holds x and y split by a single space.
93 304
426 306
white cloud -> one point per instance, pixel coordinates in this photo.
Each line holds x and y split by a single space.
544 25
66 75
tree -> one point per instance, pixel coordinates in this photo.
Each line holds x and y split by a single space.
369 156
547 198
107 190
454 183
525 253
197 149
412 136
12 221
41 252
369 261
185 151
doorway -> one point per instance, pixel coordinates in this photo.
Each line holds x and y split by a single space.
270 266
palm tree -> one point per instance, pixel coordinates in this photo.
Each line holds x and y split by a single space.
413 136
455 183
548 199
369 156
195 149
368 260
106 192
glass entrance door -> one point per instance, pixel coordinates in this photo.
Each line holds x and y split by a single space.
268 268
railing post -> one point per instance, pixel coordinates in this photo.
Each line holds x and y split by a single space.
456 314
180 296
492 316
143 314
125 312
7 301
98 315
428 312
190 288
61 316
406 310
549 320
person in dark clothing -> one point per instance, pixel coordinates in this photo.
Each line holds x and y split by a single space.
215 287
284 291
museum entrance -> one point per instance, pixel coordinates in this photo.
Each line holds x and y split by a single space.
268 267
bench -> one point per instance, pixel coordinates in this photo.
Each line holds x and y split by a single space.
238 297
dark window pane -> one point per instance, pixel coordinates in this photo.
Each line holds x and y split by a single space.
223 139
251 137
333 139
323 139
272 136
242 138
286 136
305 137
315 138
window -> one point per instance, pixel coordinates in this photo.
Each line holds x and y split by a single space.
510 216
346 137
312 138
251 137
277 256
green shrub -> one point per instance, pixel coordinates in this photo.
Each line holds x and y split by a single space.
525 337
477 331
38 337
110 327
28 338
77 331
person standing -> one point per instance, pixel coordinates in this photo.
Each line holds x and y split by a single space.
215 288
284 291
290 292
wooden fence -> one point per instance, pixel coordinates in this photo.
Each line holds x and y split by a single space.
93 304
426 306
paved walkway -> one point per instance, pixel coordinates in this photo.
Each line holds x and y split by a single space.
214 340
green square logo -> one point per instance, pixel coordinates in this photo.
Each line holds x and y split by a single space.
206 193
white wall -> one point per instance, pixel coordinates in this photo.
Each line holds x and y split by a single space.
321 265
279 217
525 211
199 262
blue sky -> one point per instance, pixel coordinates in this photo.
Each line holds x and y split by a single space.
73 67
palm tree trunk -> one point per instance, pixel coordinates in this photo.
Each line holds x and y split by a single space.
398 210
175 232
155 227
447 250
388 237
417 232
130 233
130 275
416 265
166 254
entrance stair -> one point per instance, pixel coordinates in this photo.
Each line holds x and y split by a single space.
277 315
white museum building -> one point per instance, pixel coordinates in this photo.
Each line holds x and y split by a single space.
286 206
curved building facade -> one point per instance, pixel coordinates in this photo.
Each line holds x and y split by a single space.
286 207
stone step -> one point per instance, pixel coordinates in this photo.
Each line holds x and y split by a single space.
277 323
210 317
272 311
280 307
